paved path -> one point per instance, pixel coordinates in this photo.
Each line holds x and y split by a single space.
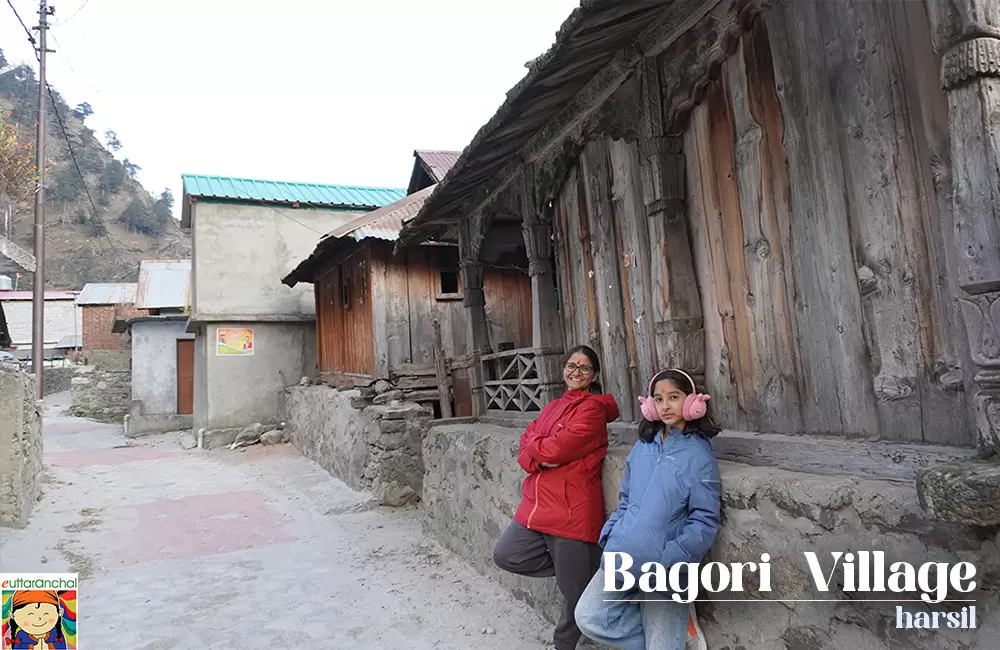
258 548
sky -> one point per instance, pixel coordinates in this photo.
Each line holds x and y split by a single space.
322 91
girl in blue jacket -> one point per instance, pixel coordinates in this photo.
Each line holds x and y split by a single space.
668 513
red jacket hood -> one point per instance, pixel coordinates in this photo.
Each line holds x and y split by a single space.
607 402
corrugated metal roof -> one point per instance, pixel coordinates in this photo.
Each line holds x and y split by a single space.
104 293
28 295
438 163
70 341
221 187
163 284
384 223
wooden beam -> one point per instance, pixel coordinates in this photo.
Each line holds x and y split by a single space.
537 231
968 35
616 376
441 372
471 268
546 329
826 455
678 325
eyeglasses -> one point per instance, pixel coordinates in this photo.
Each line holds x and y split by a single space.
572 367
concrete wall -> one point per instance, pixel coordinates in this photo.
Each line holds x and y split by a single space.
201 343
374 447
62 318
20 446
241 390
472 488
154 365
241 252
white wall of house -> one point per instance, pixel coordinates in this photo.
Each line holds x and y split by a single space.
240 253
154 364
62 318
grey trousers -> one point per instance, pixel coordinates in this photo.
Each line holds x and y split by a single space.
538 555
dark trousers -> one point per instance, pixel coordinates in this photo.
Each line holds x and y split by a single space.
538 555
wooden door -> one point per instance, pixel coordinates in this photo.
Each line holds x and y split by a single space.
185 377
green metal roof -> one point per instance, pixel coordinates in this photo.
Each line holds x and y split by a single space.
221 187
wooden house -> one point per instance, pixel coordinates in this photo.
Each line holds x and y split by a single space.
798 201
402 318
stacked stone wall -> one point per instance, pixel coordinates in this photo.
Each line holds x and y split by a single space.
20 446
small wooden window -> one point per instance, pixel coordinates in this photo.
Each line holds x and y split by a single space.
449 282
449 287
345 289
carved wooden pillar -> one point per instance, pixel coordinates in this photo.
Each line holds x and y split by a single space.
470 237
546 328
678 324
967 34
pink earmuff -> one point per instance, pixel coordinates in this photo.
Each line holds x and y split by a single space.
694 404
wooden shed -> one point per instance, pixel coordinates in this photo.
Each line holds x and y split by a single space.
798 201
402 318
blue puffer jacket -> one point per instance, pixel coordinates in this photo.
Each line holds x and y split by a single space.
670 503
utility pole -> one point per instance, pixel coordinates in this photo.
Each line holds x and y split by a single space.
38 296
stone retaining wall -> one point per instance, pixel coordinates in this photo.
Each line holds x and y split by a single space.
58 380
20 446
100 394
374 447
472 487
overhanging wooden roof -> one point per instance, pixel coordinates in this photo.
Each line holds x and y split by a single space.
598 47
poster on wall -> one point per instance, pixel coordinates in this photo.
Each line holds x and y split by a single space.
234 342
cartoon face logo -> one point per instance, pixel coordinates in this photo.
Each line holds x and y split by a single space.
35 620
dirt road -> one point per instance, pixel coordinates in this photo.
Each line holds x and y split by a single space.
257 548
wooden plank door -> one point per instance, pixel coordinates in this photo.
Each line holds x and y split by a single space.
185 377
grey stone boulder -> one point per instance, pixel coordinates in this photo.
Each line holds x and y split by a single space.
967 493
274 437
249 435
388 397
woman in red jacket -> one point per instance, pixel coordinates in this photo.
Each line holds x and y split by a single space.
556 528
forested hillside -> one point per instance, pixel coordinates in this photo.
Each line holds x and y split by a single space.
100 221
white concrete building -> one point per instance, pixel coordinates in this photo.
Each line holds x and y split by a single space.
254 335
162 350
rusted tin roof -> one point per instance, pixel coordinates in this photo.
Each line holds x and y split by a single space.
163 284
432 165
438 162
384 223
106 293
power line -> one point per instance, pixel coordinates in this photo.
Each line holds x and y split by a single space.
282 214
69 146
27 31
85 3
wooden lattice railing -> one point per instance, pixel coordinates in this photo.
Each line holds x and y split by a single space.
515 380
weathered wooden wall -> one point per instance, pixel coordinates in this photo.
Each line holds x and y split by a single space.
821 229
409 290
345 336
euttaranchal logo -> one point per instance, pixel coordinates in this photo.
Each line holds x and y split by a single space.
38 610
